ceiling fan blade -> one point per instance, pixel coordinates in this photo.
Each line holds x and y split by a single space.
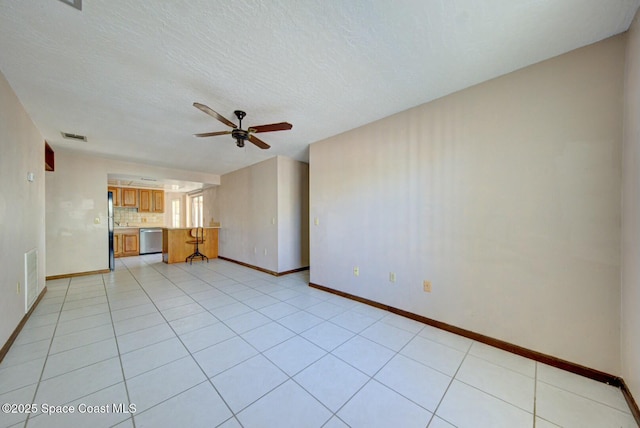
212 113
282 126
258 142
212 134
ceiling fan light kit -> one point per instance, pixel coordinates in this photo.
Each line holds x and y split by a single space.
239 134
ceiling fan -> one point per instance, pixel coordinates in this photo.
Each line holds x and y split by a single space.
239 134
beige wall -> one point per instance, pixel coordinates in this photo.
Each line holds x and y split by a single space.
505 195
630 320
247 201
22 206
261 210
76 220
293 214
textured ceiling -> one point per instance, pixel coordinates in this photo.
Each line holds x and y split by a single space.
125 73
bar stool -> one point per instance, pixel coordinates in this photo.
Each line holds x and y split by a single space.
198 235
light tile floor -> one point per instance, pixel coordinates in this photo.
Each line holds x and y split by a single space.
217 344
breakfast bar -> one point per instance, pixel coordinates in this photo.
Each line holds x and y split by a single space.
176 247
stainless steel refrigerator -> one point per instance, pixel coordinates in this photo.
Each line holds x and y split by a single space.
112 260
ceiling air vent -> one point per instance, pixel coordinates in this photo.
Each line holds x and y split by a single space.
74 136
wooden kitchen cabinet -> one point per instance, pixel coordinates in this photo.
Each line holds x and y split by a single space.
130 245
129 197
158 201
117 245
126 242
144 204
117 195
151 201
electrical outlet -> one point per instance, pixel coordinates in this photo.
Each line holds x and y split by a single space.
265 251
426 285
392 276
255 250
356 271
18 288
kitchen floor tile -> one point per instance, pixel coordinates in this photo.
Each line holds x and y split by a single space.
327 335
267 336
375 405
84 337
417 382
278 310
363 354
193 322
503 383
412 326
503 358
248 381
245 322
20 375
353 321
331 381
18 396
231 310
387 335
568 409
155 386
224 355
432 354
294 355
147 336
78 383
465 406
200 406
148 358
286 406
138 323
300 321
76 358
443 337
580 385
112 396
204 337
325 310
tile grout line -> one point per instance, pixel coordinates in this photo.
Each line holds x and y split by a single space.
124 379
185 347
261 353
453 378
53 334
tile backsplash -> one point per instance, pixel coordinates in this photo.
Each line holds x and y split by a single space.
131 217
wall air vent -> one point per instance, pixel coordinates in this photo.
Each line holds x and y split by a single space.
74 3
74 136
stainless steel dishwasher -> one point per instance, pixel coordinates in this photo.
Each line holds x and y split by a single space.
150 241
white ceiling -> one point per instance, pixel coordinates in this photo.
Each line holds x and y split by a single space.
125 73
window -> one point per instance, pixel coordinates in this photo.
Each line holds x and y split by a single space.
175 212
196 211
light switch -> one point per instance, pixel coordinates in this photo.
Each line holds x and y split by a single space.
96 220
316 221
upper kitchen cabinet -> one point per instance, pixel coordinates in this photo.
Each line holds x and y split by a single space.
129 197
158 201
117 195
151 201
145 201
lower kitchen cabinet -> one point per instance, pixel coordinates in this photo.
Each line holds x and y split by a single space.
126 243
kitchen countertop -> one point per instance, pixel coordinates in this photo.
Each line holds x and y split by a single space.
189 228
